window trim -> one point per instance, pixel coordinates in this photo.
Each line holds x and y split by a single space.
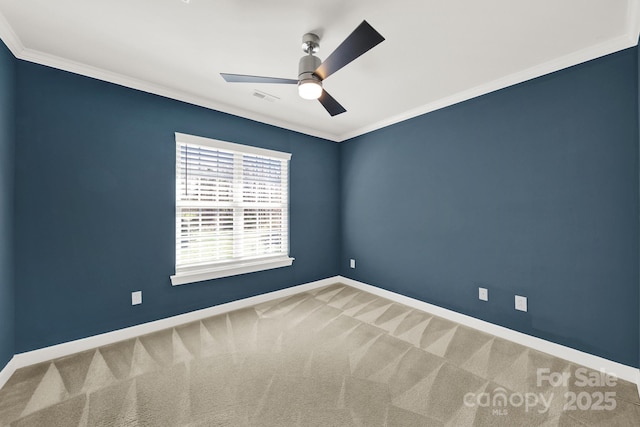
231 268
250 266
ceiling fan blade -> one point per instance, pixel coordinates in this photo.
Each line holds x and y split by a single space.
329 103
241 78
363 38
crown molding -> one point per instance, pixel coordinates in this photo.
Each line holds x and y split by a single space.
13 42
574 58
627 40
633 21
57 62
9 37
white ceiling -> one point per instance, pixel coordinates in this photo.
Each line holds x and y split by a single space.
436 53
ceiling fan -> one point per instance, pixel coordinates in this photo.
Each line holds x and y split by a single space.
311 71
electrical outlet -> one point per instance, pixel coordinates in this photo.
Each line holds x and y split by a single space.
483 294
521 303
136 297
352 263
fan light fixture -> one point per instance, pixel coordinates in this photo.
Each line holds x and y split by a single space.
310 89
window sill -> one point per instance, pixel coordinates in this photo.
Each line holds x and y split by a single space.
182 278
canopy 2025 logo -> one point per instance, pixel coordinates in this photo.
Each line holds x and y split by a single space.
499 401
583 400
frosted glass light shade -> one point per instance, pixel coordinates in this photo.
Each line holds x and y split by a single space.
310 89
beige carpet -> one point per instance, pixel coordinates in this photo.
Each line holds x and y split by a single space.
331 357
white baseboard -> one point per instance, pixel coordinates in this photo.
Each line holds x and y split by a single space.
625 372
65 349
7 371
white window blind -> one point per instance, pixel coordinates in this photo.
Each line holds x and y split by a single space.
232 209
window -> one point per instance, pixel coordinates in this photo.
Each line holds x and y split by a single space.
232 209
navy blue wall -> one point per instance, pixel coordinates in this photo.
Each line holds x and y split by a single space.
95 182
7 84
531 190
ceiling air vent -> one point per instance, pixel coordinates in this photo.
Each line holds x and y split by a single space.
264 95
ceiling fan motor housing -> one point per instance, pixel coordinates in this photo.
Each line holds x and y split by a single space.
308 64
309 85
